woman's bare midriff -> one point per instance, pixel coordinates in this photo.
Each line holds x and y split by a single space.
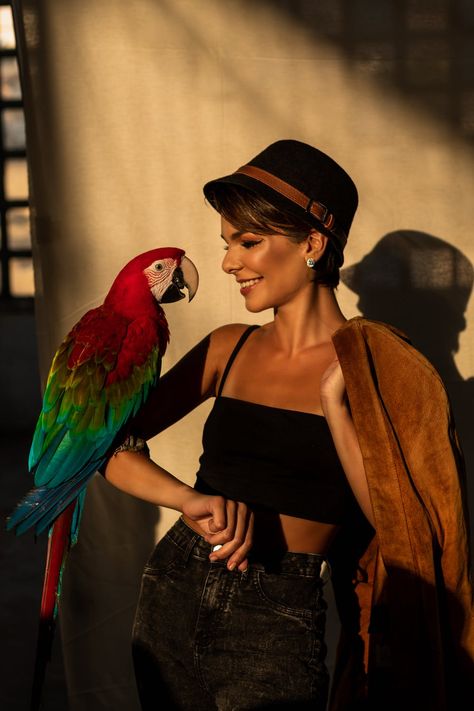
278 533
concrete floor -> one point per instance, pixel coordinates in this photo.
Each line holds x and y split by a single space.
21 571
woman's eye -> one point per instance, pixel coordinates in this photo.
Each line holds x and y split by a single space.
248 243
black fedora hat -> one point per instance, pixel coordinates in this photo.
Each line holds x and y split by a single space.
302 180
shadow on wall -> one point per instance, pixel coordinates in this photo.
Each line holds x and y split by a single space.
423 49
101 586
422 284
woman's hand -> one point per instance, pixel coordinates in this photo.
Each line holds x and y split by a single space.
339 419
333 387
223 522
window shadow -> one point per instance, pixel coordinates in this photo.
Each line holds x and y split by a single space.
420 49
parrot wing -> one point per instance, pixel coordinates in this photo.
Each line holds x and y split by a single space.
100 376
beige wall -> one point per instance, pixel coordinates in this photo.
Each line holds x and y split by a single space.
133 106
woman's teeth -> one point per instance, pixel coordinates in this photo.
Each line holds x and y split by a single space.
250 282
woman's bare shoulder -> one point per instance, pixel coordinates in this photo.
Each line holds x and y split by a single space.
229 332
224 338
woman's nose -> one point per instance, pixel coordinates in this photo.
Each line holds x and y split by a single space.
230 262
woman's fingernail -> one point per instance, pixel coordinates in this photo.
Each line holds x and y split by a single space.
213 558
231 566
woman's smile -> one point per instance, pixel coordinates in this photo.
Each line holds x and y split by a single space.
247 285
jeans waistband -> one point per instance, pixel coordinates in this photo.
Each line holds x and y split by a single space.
302 564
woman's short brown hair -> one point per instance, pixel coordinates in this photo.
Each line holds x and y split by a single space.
246 210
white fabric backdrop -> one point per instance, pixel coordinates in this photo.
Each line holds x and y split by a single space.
131 107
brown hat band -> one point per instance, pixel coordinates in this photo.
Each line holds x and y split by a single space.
316 209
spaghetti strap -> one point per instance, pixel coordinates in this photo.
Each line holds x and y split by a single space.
233 355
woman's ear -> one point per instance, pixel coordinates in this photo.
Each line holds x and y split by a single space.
315 245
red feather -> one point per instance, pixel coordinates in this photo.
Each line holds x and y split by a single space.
58 547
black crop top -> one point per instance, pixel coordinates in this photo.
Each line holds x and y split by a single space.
272 459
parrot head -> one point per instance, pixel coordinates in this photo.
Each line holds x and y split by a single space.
163 272
167 272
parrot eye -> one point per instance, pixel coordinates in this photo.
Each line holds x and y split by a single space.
158 267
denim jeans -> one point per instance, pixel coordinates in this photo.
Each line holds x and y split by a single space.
207 638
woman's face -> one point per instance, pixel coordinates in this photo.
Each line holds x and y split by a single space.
271 270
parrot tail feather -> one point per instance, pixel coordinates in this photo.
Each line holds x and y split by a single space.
58 548
24 510
42 505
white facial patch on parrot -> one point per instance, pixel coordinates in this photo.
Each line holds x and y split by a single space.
159 276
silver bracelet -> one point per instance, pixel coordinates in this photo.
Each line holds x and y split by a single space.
133 444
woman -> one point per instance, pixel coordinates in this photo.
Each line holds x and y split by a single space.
231 613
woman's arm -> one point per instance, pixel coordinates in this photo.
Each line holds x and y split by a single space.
185 386
343 432
222 521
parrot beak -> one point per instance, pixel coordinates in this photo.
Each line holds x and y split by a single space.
191 277
184 276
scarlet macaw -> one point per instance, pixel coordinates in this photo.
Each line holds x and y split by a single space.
100 376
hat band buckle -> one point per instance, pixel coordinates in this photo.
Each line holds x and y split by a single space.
309 205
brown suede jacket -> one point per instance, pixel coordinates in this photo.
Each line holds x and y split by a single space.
407 639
